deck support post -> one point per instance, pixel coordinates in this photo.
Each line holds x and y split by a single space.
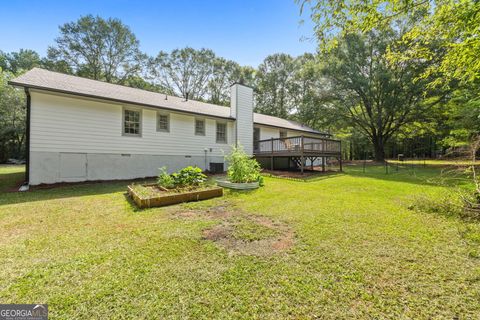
302 158
324 159
271 149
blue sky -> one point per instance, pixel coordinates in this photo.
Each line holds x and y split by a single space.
242 30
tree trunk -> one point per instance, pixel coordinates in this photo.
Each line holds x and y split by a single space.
379 148
351 150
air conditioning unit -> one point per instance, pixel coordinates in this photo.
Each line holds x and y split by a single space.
216 167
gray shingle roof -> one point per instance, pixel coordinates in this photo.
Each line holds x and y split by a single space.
42 79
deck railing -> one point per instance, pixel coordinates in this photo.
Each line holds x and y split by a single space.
297 145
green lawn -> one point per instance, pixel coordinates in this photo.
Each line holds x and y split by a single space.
349 248
430 162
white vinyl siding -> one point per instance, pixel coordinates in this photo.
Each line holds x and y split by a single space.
72 124
267 132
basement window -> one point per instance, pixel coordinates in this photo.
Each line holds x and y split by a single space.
221 132
163 122
132 122
199 127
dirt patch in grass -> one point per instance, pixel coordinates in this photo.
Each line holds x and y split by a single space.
251 235
220 211
241 233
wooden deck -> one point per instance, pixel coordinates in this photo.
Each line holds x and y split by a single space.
299 149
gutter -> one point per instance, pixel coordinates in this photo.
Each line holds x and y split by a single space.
25 185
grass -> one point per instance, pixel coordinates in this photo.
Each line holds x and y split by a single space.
359 252
144 192
248 230
430 162
10 176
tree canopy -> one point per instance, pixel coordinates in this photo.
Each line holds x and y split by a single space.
12 119
369 92
455 23
185 72
97 48
23 60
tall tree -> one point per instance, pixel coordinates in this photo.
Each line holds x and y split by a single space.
306 94
184 72
23 60
248 76
12 119
275 85
98 49
224 73
372 94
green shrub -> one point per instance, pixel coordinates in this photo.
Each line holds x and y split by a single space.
444 204
460 204
186 177
242 168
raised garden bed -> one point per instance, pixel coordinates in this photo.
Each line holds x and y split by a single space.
151 195
238 186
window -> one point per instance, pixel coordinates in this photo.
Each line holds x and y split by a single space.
163 122
199 127
132 120
283 134
221 132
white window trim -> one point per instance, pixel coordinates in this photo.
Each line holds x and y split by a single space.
226 132
204 127
159 113
140 128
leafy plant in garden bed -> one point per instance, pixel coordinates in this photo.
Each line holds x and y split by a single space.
189 177
243 172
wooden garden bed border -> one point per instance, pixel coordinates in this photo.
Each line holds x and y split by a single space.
174 198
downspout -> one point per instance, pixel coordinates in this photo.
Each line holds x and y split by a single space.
25 185
236 116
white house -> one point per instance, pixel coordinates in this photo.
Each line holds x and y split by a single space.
80 129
